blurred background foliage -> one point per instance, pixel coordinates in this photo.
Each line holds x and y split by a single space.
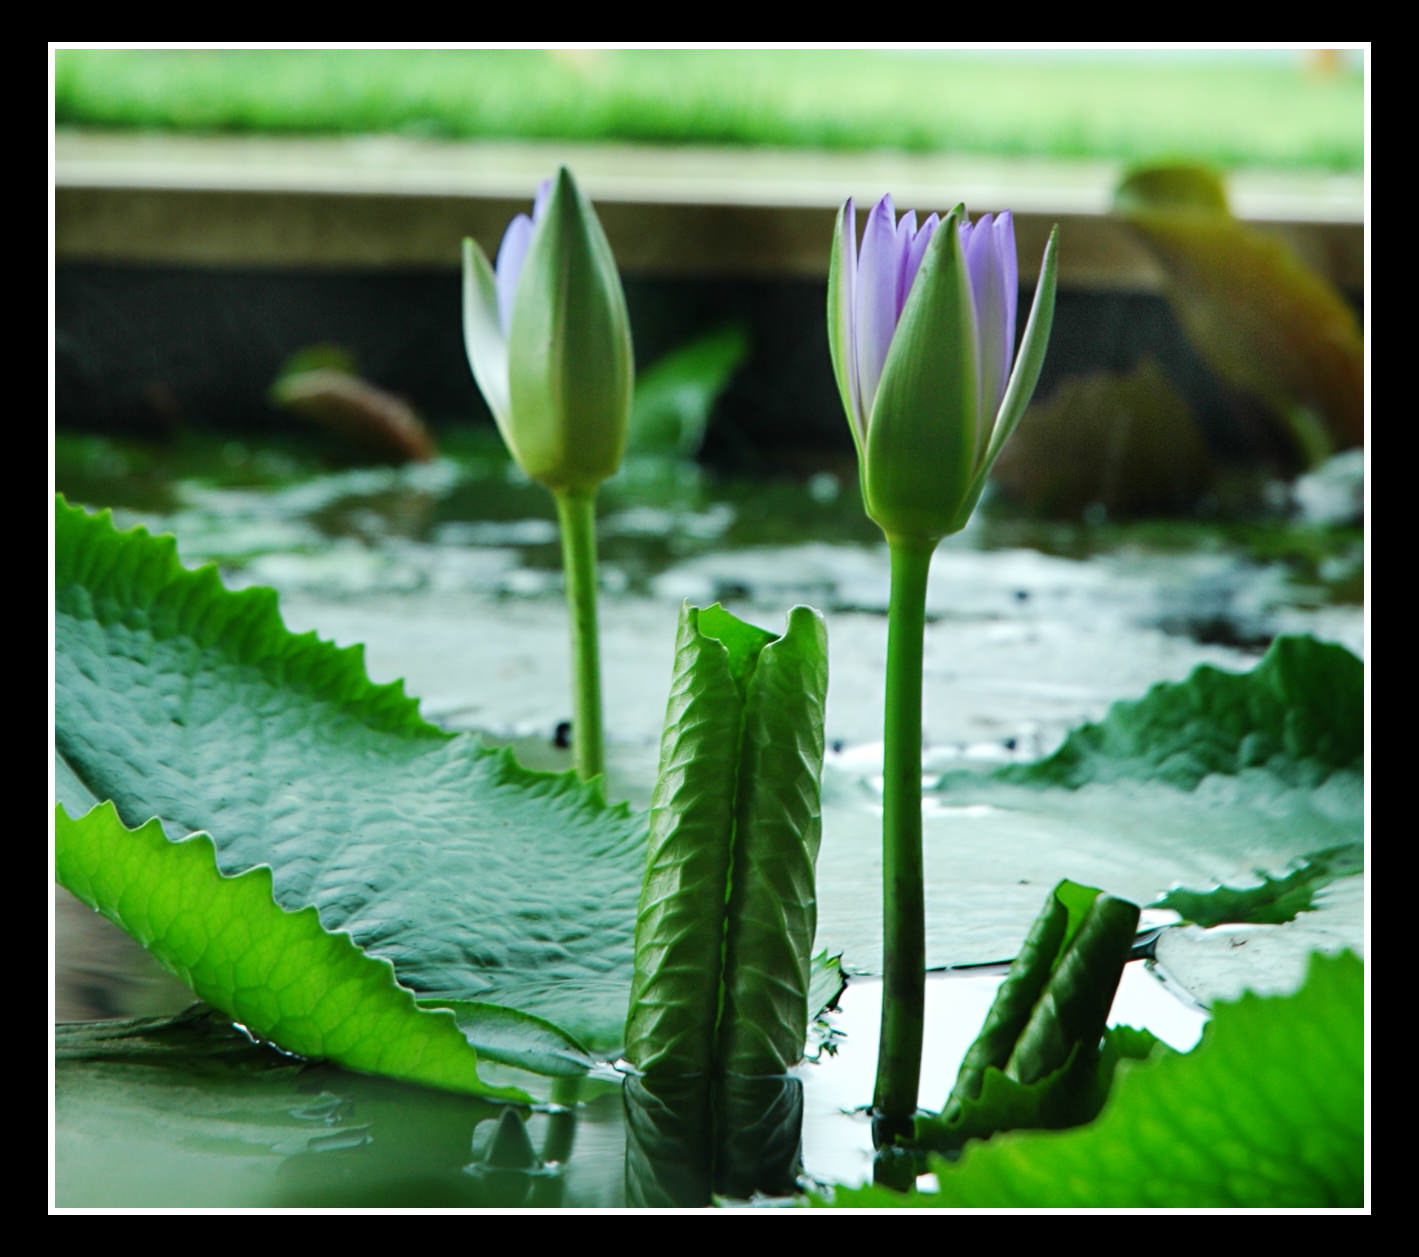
1233 364
1225 108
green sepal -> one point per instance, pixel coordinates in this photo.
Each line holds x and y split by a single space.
279 973
483 338
924 429
570 362
728 910
842 298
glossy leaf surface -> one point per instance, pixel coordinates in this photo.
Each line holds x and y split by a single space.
278 973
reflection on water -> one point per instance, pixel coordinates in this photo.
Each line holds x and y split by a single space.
188 1112
691 1139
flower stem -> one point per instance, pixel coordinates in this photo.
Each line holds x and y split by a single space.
576 514
903 900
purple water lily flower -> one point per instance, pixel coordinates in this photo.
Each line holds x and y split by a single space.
921 325
549 340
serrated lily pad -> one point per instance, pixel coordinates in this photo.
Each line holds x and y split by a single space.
1198 784
277 972
477 879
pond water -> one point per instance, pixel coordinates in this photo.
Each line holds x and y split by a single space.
449 574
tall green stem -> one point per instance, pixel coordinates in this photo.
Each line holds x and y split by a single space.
576 513
903 900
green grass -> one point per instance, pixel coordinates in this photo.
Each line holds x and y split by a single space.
1227 108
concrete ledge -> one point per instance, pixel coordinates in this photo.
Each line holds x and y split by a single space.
377 201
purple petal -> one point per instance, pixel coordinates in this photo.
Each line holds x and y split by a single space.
917 252
1010 271
989 247
905 234
508 268
878 273
513 251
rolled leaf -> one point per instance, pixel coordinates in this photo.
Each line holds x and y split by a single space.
773 904
728 910
1057 995
1075 1003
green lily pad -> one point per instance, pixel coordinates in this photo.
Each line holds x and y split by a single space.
477 879
1199 784
504 895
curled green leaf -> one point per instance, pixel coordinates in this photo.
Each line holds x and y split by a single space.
728 907
1050 1011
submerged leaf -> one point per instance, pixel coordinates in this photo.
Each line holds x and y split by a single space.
689 1139
1262 320
361 416
188 1112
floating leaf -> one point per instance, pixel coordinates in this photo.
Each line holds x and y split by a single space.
1196 784
1275 900
1296 714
